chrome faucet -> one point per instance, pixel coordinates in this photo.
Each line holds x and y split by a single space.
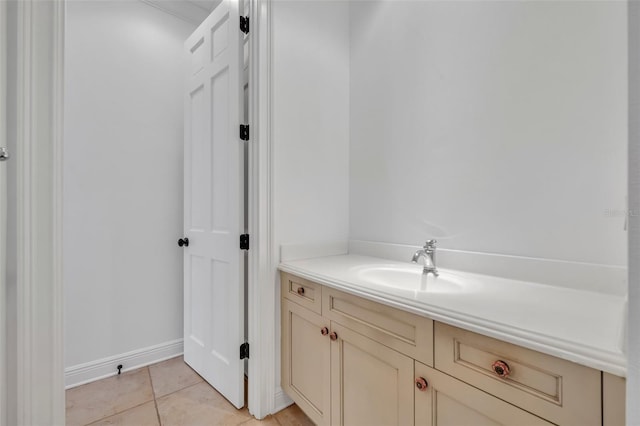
428 252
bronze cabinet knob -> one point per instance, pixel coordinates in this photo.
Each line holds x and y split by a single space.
501 368
421 384
333 335
301 291
324 331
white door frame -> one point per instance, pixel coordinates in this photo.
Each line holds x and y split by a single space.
261 260
3 215
40 392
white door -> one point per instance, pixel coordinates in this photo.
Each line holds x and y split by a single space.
213 203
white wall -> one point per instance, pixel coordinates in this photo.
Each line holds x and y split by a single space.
492 126
122 178
310 122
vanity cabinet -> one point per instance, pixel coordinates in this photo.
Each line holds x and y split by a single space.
350 361
340 376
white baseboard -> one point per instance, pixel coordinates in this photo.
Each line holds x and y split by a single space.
281 400
95 370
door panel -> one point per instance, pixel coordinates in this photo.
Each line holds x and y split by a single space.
213 204
371 384
197 165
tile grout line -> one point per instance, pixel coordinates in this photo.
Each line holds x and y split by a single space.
118 413
253 418
181 389
155 401
123 411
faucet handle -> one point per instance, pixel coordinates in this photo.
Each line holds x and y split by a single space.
430 244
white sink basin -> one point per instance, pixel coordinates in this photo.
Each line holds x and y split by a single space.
410 277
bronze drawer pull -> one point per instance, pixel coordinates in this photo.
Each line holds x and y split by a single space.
421 384
501 368
301 291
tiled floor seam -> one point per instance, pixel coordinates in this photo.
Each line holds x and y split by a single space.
118 413
155 399
177 390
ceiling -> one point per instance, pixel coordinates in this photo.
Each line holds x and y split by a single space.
194 11
208 5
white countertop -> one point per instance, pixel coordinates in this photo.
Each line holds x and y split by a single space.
585 327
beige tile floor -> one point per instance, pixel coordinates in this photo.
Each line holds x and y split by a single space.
169 394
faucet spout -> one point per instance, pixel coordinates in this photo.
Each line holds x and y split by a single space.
428 254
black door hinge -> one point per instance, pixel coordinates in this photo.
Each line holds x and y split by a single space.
244 132
244 24
244 350
244 242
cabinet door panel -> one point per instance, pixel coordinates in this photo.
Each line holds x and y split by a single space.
450 402
306 361
613 400
451 412
370 383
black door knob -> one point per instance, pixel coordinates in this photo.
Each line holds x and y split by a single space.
183 242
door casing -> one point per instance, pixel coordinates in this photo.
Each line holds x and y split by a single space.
38 161
3 214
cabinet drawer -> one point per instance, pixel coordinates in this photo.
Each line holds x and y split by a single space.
557 390
446 401
407 333
301 291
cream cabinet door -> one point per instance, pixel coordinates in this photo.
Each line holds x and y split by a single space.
613 400
306 361
446 401
371 384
